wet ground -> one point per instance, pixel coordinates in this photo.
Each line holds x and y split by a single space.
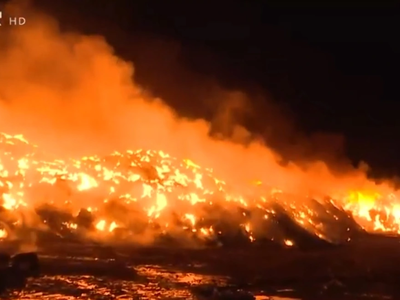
155 284
363 270
152 282
146 282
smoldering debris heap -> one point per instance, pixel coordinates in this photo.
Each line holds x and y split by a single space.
150 197
278 230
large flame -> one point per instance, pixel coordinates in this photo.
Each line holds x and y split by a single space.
72 96
150 188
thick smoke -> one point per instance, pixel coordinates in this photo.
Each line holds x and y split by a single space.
70 94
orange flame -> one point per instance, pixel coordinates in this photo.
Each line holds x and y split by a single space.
71 94
160 185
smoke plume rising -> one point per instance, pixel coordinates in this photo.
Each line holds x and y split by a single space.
70 94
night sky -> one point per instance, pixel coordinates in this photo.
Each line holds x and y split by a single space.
332 69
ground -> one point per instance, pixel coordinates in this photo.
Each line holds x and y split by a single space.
368 266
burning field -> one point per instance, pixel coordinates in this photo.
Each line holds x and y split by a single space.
90 159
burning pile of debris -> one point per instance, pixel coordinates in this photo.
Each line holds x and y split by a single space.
149 196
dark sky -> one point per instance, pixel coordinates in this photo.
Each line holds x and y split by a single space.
335 68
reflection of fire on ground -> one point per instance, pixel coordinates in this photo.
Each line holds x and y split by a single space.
70 94
139 195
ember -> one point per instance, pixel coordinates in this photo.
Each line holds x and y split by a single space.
150 191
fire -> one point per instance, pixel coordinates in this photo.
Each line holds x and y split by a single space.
3 234
376 213
288 243
103 226
166 191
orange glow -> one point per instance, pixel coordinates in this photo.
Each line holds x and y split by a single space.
3 234
80 135
174 186
288 243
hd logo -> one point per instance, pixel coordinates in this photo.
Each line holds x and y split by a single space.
11 21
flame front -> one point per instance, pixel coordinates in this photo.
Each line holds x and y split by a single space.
127 192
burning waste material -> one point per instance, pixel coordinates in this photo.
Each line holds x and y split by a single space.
182 187
147 196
